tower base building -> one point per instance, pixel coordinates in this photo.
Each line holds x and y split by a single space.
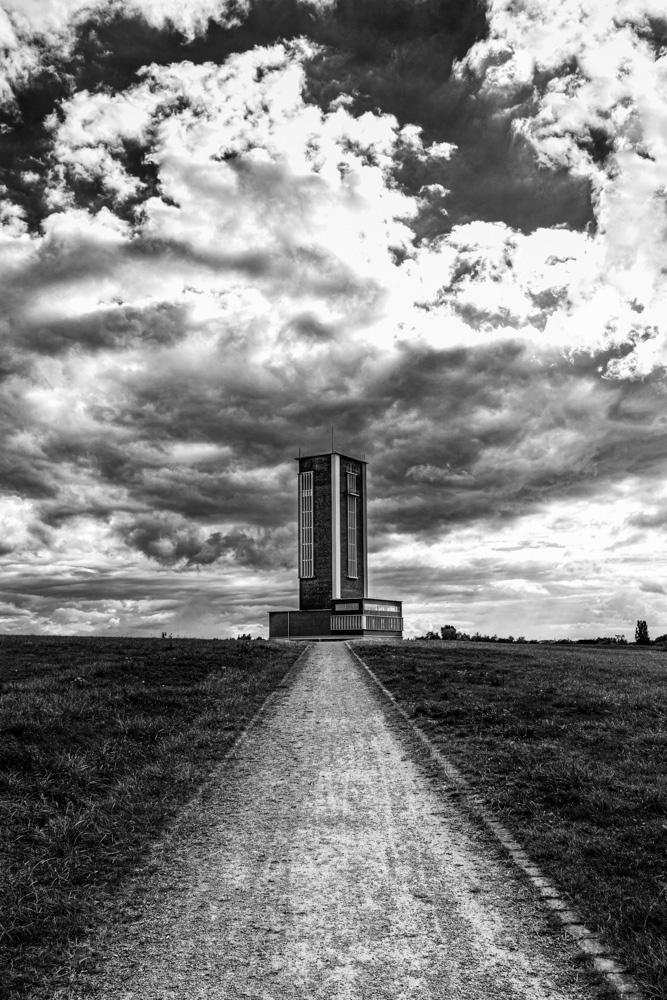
333 558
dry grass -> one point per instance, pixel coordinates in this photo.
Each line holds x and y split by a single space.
569 747
102 741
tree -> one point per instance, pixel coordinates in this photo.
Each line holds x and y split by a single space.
448 632
641 634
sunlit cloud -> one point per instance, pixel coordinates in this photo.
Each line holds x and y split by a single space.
448 244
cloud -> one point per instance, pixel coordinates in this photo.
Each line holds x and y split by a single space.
67 620
118 327
602 82
16 519
131 150
171 540
432 474
184 328
258 552
441 233
167 539
32 30
495 433
647 518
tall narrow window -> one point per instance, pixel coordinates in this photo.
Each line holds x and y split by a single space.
352 482
352 535
306 524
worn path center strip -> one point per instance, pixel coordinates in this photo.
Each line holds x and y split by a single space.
328 866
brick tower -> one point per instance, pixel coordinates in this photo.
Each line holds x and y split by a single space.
332 558
332 530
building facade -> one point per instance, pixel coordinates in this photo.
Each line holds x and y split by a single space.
332 558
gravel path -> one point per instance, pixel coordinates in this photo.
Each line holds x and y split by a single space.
326 865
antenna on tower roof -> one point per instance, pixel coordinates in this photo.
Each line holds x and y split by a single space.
332 438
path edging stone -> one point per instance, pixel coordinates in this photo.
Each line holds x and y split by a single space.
601 958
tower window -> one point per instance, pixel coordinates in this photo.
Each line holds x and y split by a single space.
352 483
306 524
352 535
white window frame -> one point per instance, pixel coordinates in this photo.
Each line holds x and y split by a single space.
352 564
384 623
347 623
306 538
377 623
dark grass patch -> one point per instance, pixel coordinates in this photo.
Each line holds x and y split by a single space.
570 749
102 741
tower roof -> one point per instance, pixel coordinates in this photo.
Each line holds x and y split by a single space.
323 454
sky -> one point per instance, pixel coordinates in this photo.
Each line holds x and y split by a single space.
229 225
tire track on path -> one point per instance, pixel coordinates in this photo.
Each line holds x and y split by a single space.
324 864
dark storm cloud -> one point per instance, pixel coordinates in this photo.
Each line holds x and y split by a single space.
209 495
650 519
456 436
117 328
185 490
166 539
493 433
210 262
257 553
84 255
25 467
471 434
310 328
147 603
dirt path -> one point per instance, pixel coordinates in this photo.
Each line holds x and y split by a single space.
329 867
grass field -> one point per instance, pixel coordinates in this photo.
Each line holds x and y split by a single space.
102 741
569 747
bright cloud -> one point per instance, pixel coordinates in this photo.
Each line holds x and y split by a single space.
450 247
603 115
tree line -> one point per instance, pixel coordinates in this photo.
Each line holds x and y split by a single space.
450 633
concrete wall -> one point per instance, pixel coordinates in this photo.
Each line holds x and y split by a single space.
349 587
